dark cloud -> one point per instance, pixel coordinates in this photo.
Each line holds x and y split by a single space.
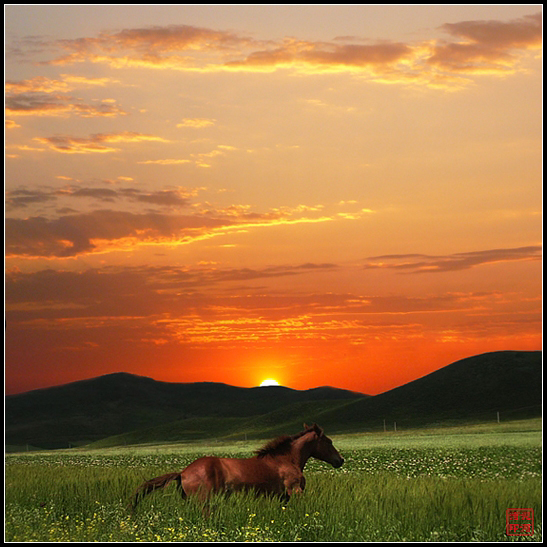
361 55
22 198
103 194
163 197
170 38
320 54
158 39
487 45
72 235
96 143
519 33
190 307
50 104
148 290
38 235
417 263
475 47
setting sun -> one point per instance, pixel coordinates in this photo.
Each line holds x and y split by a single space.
269 382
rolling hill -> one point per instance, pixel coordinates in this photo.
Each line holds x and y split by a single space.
126 409
471 390
476 388
116 403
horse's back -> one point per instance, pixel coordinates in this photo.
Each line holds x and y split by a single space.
203 474
231 474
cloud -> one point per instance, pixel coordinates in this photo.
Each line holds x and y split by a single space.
167 161
418 263
77 233
72 235
41 96
40 104
146 47
150 290
310 56
67 82
524 33
171 198
95 143
197 123
200 159
209 307
487 46
475 47
22 198
161 39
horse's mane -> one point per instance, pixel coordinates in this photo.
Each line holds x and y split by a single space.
282 445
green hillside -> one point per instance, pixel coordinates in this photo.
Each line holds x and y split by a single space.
473 389
120 409
271 424
119 403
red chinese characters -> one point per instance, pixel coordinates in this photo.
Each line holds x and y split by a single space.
519 522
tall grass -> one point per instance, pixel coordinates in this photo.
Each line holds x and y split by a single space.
380 494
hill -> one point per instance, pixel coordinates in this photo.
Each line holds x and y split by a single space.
468 391
117 403
278 422
126 409
473 389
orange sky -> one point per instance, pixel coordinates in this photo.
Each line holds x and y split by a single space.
322 195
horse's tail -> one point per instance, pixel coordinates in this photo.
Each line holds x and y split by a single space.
154 484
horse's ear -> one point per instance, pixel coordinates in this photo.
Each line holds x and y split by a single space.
317 429
306 426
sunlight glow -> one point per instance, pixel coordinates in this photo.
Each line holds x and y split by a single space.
269 382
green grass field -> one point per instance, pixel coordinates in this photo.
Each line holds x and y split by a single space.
423 485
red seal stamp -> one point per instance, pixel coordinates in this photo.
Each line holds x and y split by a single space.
519 522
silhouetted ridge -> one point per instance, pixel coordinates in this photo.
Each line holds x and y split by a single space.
477 387
119 402
473 389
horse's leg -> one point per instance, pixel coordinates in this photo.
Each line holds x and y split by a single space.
294 485
183 494
154 484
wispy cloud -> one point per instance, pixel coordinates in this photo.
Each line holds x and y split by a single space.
11 124
487 46
96 143
147 47
476 47
207 307
196 123
419 263
166 161
202 159
41 96
317 57
40 104
96 231
71 220
66 83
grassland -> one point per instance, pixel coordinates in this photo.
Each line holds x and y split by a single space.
423 485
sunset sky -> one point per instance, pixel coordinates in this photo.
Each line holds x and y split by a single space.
318 195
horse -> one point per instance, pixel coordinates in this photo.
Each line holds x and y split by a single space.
275 470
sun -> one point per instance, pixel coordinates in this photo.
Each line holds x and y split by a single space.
269 382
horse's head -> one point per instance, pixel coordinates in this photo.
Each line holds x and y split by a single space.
322 447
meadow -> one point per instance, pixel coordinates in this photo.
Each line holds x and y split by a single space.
424 485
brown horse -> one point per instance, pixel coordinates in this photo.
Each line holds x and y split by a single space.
275 470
